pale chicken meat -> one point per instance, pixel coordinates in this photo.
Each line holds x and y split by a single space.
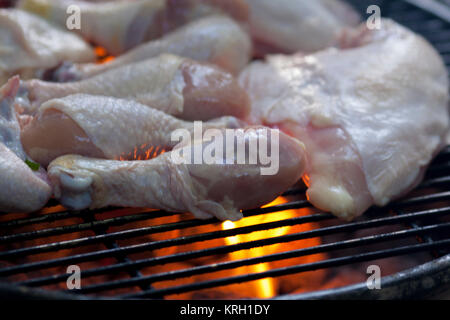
22 189
371 117
104 127
121 25
289 26
178 86
216 39
29 45
207 190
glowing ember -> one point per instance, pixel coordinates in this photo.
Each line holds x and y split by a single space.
143 152
100 52
102 55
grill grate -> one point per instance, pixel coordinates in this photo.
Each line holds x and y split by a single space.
117 247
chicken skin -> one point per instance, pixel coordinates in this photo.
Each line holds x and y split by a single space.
103 127
207 190
289 26
177 86
121 25
30 45
22 189
216 39
372 117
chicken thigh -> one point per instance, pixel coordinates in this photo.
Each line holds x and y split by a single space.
207 190
103 127
298 25
121 25
29 45
217 40
178 86
372 117
22 189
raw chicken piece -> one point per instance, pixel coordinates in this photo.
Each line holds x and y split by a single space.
121 25
21 189
298 25
178 86
217 39
103 127
29 44
371 117
206 190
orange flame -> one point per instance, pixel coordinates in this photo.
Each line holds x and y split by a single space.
143 152
264 288
102 55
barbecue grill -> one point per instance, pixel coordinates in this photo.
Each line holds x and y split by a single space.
117 247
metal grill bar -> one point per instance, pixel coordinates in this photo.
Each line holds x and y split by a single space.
152 246
118 221
55 246
54 216
223 249
110 244
152 230
127 218
425 225
381 254
78 227
267 258
136 265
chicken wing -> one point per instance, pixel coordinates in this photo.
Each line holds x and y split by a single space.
289 26
121 25
206 190
175 85
372 117
29 45
103 127
22 189
217 40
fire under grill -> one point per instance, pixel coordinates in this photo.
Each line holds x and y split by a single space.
287 249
